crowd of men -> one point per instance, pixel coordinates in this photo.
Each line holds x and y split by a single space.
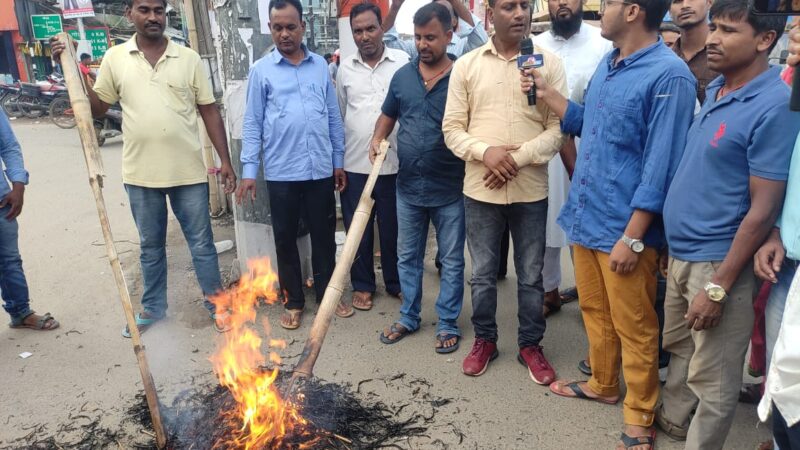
671 171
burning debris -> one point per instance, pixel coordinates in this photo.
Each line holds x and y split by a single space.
247 411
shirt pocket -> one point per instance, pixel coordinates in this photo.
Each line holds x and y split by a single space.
179 97
622 127
314 100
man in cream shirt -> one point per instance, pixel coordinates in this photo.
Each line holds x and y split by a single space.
362 82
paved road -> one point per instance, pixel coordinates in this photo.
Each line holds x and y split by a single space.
86 364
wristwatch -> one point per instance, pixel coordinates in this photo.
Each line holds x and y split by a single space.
634 244
715 292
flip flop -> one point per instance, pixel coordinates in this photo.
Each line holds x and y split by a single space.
40 324
295 319
343 310
631 441
569 295
142 323
393 329
578 392
222 317
443 337
362 301
585 368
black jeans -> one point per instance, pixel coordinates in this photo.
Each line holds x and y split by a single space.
486 224
788 438
287 199
362 274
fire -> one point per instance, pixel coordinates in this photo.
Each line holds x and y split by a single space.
262 418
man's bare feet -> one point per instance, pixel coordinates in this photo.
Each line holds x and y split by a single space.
39 322
362 300
291 319
580 389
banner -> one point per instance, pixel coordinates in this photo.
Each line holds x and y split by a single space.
73 9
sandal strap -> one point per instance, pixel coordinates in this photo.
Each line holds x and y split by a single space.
43 320
630 441
576 389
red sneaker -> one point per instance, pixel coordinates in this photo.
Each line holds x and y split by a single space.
476 363
539 369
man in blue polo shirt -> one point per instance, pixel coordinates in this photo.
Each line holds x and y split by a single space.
429 180
722 204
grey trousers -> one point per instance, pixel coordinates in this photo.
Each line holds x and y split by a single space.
705 371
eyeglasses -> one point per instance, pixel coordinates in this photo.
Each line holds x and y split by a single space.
604 3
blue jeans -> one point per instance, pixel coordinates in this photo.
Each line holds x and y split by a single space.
486 223
776 303
12 278
412 235
190 206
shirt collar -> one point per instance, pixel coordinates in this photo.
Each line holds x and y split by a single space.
387 54
489 47
678 49
170 52
277 57
633 57
753 87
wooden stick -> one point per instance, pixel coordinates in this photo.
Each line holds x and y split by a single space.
94 165
333 293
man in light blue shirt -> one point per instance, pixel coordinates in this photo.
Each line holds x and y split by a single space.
293 126
13 284
468 32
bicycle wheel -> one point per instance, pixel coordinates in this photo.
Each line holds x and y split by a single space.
30 106
61 113
10 105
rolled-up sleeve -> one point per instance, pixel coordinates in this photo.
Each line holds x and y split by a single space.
667 125
253 124
543 147
573 119
10 153
474 36
456 119
393 40
335 125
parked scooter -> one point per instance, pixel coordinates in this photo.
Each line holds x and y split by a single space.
109 126
9 94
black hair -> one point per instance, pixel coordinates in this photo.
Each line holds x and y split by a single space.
669 26
431 11
129 3
328 56
85 55
654 12
743 9
280 4
361 8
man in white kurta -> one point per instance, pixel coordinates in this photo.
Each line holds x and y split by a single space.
581 48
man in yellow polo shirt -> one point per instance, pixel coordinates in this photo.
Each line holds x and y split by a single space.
161 86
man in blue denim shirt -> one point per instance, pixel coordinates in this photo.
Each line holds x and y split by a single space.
13 284
292 123
633 125
429 180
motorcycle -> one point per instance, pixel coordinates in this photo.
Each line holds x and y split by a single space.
35 98
9 94
109 126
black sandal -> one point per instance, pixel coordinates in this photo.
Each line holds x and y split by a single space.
630 442
402 332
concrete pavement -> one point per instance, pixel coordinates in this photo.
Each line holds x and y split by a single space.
86 365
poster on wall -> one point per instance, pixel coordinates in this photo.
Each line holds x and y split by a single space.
73 9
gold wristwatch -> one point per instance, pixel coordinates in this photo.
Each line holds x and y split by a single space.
715 292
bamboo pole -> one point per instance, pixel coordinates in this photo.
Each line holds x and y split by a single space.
94 165
208 148
333 293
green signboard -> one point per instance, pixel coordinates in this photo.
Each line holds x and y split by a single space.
45 26
97 36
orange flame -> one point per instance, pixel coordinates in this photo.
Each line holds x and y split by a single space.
263 419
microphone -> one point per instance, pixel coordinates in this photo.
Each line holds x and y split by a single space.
526 49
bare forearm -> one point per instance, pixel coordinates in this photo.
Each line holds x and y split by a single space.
388 21
639 224
383 127
557 102
755 228
569 155
462 12
215 128
99 107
